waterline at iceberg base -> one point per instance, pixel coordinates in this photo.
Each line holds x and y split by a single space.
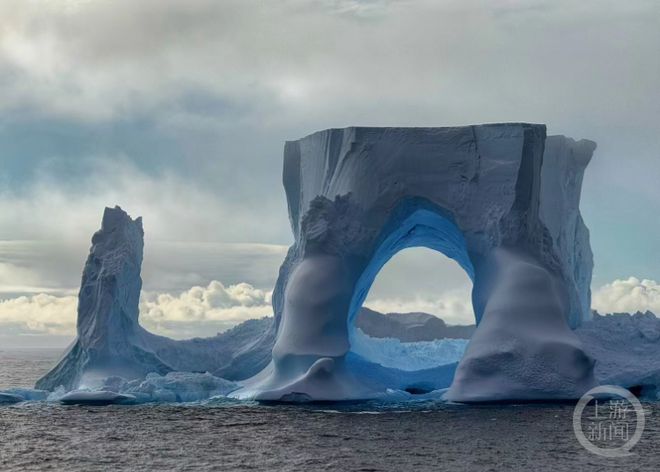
502 200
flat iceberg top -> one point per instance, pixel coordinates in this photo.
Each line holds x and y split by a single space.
426 134
420 130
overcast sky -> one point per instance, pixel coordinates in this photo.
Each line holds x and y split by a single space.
178 111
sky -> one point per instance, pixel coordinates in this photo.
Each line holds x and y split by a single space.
178 112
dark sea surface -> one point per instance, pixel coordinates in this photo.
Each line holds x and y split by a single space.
23 367
242 436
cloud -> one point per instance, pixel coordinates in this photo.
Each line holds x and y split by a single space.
39 314
14 278
173 208
178 112
98 60
192 236
54 266
628 296
199 311
205 310
202 311
418 272
204 93
425 280
454 307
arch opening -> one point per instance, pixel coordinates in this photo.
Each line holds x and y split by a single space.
413 225
429 235
418 313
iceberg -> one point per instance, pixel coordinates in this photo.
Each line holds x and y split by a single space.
111 342
98 398
177 387
27 394
502 200
9 398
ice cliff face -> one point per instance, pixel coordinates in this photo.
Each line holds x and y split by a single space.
502 200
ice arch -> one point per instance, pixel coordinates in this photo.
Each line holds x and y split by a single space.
417 223
502 200
433 238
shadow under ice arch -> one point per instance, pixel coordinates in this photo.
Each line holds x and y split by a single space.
502 200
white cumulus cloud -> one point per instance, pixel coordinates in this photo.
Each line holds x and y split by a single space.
203 311
628 296
199 311
38 314
453 306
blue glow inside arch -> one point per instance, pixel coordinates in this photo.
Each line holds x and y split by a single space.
415 223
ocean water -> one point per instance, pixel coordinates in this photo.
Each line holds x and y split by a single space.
344 437
22 367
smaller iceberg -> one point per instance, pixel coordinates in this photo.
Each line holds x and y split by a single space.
173 387
98 398
110 341
178 387
27 394
8 398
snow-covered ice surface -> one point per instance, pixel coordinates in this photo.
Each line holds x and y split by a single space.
173 387
522 338
626 348
502 200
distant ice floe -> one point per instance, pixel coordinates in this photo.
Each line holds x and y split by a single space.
8 398
409 356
